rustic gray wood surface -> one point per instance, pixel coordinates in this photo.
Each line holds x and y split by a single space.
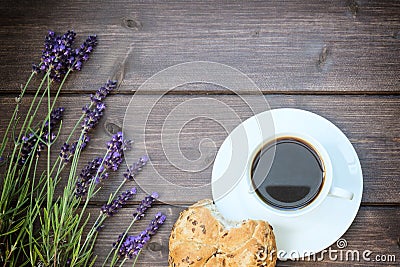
338 59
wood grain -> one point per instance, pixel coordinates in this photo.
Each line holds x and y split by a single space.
291 46
338 59
380 238
370 122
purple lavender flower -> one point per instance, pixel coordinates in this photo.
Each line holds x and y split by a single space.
132 245
154 225
87 175
55 53
144 205
55 118
28 142
103 92
67 151
92 118
119 202
85 141
64 154
116 150
47 136
82 53
111 161
136 167
58 56
94 112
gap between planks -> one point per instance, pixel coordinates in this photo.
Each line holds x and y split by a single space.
75 93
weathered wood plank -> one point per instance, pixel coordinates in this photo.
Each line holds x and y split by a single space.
380 238
370 122
291 46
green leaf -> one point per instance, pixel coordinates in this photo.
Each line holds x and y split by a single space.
40 255
14 229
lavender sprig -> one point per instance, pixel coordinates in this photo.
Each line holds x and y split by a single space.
93 112
58 55
119 202
65 152
96 170
29 141
82 53
103 92
136 167
116 147
144 205
88 173
118 246
132 245
110 208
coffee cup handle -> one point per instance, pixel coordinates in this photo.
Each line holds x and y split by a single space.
340 193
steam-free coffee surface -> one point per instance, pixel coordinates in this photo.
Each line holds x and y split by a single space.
294 178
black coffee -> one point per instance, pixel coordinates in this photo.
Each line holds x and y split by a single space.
295 176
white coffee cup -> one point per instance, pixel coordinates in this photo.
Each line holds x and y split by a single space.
326 189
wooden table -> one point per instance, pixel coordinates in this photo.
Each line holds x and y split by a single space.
339 59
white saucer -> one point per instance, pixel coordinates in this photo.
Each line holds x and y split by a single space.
236 200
